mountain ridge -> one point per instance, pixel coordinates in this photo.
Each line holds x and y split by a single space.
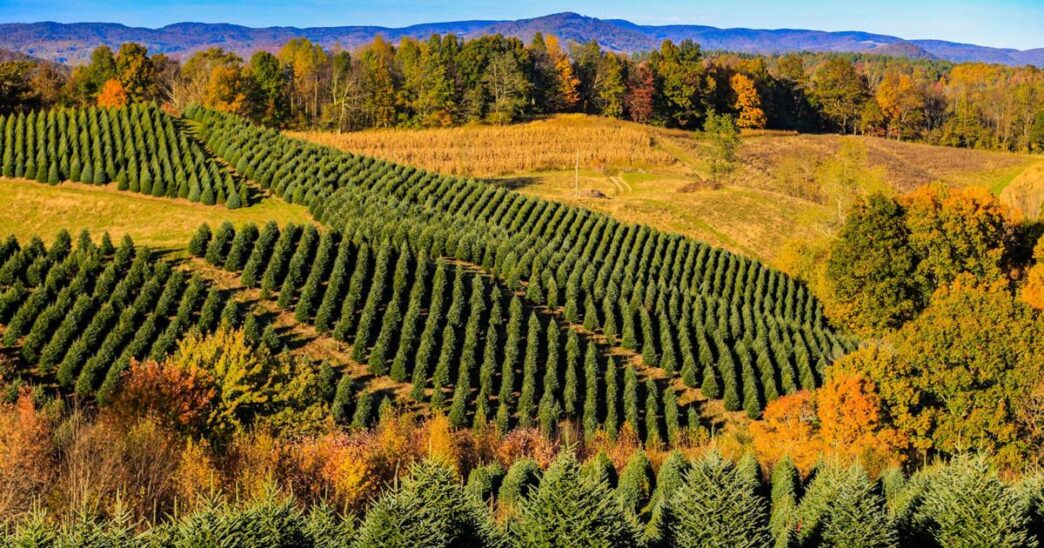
72 42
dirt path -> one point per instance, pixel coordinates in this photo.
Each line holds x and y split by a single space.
303 338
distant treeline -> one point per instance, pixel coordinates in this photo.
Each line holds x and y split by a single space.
446 80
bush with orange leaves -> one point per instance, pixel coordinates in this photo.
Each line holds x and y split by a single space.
842 420
112 94
26 457
181 398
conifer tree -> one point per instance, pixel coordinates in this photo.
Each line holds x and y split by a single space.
785 485
219 246
612 398
429 509
198 245
636 484
591 383
965 504
630 397
715 506
842 508
566 507
570 391
259 256
527 395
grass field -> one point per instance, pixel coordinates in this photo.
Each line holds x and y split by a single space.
32 209
784 186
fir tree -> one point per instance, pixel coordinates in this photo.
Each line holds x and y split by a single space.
568 506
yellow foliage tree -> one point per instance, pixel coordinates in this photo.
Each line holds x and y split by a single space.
748 103
1033 290
568 83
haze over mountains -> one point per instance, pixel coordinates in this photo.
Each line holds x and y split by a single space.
72 43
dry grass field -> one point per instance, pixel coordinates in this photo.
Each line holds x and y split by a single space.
487 151
33 209
786 186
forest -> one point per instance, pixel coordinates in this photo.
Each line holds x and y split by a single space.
445 81
426 359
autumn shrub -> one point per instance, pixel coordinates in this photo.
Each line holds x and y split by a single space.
27 459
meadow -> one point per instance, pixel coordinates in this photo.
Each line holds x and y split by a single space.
34 209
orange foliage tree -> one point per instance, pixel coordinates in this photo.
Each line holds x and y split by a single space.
26 461
844 419
179 398
748 103
112 94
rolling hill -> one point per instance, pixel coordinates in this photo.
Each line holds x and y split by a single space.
71 43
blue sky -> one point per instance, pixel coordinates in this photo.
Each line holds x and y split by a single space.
999 23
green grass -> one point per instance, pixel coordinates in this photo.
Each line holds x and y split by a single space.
33 209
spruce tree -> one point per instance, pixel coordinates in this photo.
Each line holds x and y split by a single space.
715 506
842 508
198 245
636 484
568 508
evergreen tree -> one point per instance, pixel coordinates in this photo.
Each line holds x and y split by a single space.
966 504
198 245
715 506
636 484
429 509
569 509
842 508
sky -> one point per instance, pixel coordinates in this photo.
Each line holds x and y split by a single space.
998 23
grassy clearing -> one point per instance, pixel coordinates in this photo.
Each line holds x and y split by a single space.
33 209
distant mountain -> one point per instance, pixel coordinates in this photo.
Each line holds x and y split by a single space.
72 43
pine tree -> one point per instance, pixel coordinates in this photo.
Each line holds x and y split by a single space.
715 506
630 397
198 245
568 508
527 395
636 484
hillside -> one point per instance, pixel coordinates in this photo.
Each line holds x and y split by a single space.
653 176
233 336
72 43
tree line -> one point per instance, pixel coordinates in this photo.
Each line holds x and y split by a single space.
446 80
